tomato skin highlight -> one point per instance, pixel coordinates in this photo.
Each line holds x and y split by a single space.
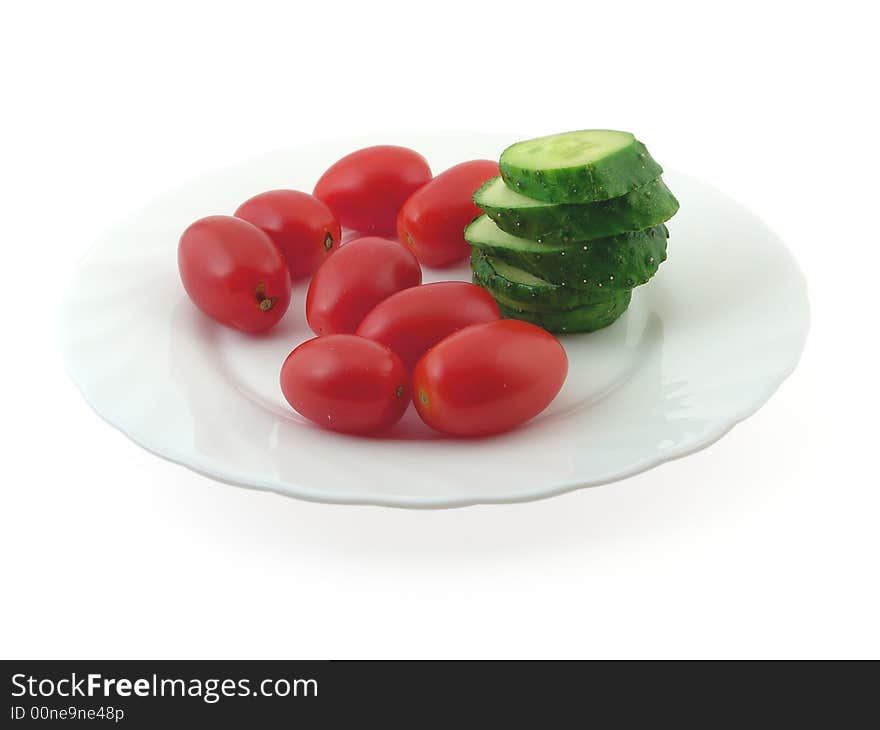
346 383
233 272
412 320
488 378
366 189
355 279
299 224
432 220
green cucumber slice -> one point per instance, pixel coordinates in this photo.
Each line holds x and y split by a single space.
644 207
578 167
515 287
583 319
615 263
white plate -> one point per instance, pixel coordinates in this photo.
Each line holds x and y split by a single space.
703 345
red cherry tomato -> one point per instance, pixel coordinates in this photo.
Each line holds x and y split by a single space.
433 219
355 279
300 225
346 383
234 273
366 189
414 319
488 378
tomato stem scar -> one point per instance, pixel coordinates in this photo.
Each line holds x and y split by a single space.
399 391
263 302
328 241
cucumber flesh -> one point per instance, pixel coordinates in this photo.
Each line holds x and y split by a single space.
569 149
614 263
643 207
583 319
495 194
511 273
518 288
578 167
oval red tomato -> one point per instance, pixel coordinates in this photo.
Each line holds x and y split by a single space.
366 189
300 225
488 378
412 320
346 383
234 273
433 219
355 279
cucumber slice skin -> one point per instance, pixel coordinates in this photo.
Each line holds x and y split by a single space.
615 263
540 298
561 223
609 177
584 319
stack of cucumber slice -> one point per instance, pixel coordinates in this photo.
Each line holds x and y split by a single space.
572 226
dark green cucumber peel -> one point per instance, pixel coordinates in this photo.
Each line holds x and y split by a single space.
517 287
583 319
615 263
578 167
561 223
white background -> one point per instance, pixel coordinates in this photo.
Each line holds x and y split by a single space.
766 544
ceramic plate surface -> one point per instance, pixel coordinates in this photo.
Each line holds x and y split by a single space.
703 345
